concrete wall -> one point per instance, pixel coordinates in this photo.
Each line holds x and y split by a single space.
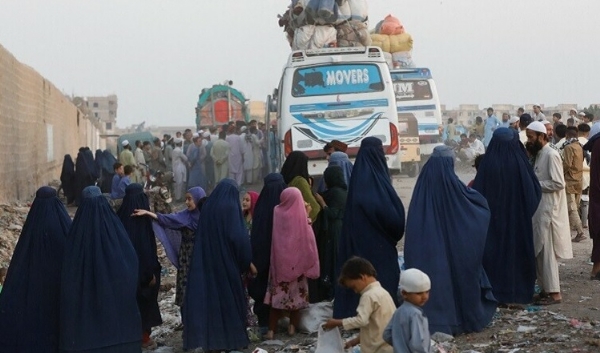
38 126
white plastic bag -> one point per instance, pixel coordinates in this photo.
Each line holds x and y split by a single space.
359 9
329 341
324 35
303 37
314 316
402 59
344 12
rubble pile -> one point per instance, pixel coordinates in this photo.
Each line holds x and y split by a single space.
12 218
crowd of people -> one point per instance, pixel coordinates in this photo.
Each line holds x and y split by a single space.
91 284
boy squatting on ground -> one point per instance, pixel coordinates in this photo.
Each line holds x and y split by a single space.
408 331
374 311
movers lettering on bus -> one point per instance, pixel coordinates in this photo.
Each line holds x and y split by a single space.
343 94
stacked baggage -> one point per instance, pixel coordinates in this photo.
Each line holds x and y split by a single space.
396 43
315 24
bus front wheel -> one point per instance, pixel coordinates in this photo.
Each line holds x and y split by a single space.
413 170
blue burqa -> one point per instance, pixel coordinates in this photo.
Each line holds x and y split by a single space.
215 305
506 179
373 224
108 171
85 172
260 238
68 181
29 314
98 308
142 238
340 159
446 230
167 228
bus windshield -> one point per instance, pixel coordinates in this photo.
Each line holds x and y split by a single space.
411 90
334 79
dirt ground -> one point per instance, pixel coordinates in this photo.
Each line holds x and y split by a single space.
572 326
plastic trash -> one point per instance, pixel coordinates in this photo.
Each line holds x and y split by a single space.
525 329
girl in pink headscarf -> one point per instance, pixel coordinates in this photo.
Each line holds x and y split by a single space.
248 203
294 258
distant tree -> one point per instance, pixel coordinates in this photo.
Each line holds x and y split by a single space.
594 109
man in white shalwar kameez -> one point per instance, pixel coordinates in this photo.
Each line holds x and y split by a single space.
180 164
247 142
236 156
551 232
220 156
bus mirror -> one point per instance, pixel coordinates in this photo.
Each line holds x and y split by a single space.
275 92
273 105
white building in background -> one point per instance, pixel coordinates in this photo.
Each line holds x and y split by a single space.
105 110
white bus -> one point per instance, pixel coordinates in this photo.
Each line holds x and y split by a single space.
343 94
417 98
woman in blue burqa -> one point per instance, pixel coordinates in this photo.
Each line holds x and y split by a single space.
98 308
68 182
506 179
339 159
85 172
373 224
446 229
29 311
176 232
260 238
108 172
214 309
142 238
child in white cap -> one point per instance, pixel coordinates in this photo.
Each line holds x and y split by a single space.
408 330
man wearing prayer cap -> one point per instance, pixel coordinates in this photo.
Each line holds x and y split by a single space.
551 232
573 115
513 123
126 156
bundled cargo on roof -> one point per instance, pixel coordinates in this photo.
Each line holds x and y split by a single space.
314 24
392 38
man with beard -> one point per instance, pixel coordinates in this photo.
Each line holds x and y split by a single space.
551 233
550 135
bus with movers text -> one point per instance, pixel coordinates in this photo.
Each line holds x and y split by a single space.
343 94
417 102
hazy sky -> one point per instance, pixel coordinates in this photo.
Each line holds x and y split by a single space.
157 55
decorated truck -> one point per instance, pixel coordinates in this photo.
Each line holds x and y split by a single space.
221 104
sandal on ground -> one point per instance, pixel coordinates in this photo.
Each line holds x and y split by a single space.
541 295
548 301
580 237
595 277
